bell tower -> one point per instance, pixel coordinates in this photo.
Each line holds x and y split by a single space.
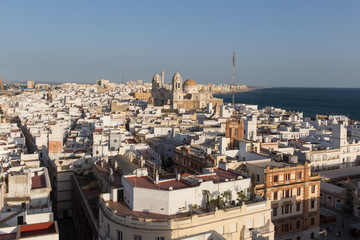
162 77
177 93
156 82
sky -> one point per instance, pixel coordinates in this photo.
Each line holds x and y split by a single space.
307 43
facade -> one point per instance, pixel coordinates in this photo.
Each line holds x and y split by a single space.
83 214
234 130
30 84
190 159
148 209
295 197
140 95
60 172
187 95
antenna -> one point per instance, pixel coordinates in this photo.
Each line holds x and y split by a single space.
233 97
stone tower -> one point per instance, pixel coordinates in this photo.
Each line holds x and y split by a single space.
177 93
156 82
339 135
162 77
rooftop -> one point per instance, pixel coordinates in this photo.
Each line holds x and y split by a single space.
38 182
186 180
272 164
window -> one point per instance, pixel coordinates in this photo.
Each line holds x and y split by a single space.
287 176
287 193
137 237
312 203
275 195
276 179
312 221
160 238
120 235
286 227
236 132
257 177
299 175
287 209
313 189
298 238
298 207
299 191
108 229
233 228
297 224
275 212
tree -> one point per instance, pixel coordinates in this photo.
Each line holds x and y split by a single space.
253 186
227 195
241 197
207 195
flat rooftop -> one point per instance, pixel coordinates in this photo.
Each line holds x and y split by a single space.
340 174
272 164
186 180
124 210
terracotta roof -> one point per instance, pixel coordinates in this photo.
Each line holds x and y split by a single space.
32 230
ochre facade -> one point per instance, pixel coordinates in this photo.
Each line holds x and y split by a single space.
295 195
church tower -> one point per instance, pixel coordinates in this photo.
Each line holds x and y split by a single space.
162 77
156 82
177 93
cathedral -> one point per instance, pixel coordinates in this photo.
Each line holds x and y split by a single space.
188 95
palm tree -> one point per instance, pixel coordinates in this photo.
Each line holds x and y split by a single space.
227 195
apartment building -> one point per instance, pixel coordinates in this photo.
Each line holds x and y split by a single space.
295 197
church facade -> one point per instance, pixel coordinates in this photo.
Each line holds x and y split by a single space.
188 95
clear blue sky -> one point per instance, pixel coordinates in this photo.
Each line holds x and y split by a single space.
278 43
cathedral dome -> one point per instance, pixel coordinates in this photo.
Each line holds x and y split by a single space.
190 82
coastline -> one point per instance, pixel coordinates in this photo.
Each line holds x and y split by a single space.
248 89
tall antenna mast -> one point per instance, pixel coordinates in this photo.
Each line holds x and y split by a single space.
233 97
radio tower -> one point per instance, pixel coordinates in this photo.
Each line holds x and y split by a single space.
233 97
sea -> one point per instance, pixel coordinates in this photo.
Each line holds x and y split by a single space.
310 101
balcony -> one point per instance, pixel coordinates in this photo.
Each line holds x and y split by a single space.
120 212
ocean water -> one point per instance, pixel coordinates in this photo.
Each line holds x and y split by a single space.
310 101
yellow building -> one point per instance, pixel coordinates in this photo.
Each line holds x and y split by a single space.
140 95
